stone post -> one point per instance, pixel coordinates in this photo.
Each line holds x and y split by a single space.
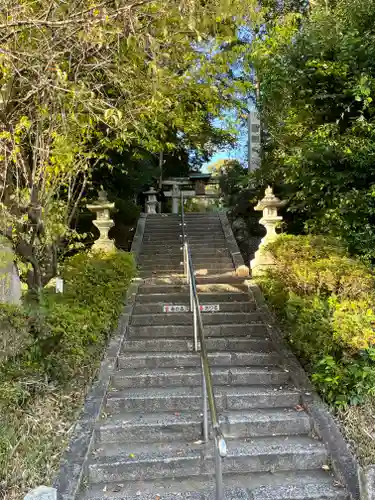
366 477
10 284
151 202
270 221
42 493
175 199
103 222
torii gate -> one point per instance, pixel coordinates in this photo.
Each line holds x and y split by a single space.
199 181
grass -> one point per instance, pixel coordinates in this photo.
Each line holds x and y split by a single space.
36 438
358 426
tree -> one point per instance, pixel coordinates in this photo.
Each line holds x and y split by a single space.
79 77
317 90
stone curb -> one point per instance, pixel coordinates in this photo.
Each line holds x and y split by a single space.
231 241
138 236
366 477
72 464
343 462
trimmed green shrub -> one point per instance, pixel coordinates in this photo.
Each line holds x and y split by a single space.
326 300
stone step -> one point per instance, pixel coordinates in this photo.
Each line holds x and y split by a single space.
156 249
182 399
151 246
183 298
189 228
154 308
205 276
181 359
287 485
160 273
166 427
180 346
192 377
176 249
178 258
177 266
217 288
175 255
191 215
171 268
171 236
214 231
161 245
251 330
205 283
178 271
116 463
175 239
176 319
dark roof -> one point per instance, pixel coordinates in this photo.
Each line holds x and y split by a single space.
199 175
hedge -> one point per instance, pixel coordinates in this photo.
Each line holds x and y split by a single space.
50 355
326 299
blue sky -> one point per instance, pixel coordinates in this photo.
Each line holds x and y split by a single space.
238 152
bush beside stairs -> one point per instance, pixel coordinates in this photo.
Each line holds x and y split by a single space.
148 441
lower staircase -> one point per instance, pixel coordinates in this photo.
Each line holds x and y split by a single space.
148 444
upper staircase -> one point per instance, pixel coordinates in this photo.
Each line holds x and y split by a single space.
148 443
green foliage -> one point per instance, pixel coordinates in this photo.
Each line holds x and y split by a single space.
49 357
317 77
310 264
83 82
239 194
14 331
326 301
197 205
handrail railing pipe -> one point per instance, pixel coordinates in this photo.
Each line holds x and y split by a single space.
220 448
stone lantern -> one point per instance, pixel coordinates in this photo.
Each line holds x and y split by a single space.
151 201
270 220
176 195
103 222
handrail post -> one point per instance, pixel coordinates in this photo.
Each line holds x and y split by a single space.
186 267
205 408
195 324
218 472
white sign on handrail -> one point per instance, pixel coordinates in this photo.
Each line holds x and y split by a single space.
173 308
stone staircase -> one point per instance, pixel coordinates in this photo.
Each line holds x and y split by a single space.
148 443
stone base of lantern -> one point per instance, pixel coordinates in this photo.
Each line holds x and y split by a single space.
262 261
242 272
103 243
106 246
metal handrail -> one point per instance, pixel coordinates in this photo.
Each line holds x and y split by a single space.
220 448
